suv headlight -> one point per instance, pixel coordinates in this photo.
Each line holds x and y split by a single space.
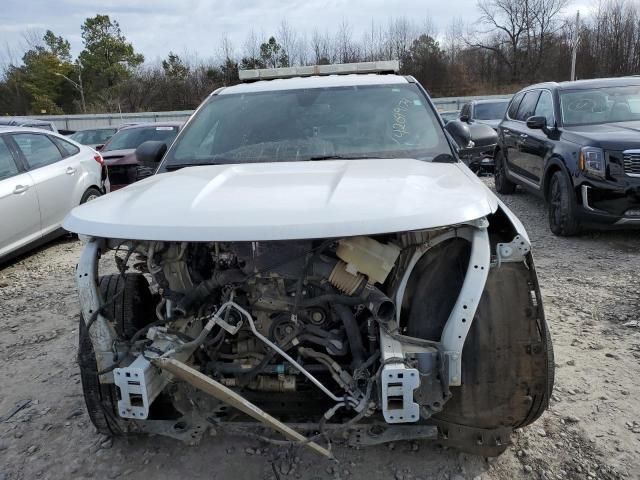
592 161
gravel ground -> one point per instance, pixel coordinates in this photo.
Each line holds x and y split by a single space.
591 292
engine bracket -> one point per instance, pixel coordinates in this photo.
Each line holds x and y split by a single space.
398 383
139 383
514 251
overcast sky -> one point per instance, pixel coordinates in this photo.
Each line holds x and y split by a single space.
197 26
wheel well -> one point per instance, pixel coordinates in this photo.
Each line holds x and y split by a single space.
94 187
553 168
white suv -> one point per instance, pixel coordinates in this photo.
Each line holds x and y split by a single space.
311 249
43 175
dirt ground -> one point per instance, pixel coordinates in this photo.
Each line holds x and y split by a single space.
591 288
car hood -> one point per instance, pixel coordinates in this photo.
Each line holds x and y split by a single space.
492 123
289 200
610 136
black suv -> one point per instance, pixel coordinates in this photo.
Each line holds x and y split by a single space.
576 144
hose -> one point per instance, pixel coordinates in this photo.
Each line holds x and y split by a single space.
353 332
205 288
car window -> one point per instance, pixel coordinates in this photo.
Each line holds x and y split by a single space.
8 167
39 150
528 105
382 121
513 106
68 148
131 138
93 137
490 111
600 105
545 107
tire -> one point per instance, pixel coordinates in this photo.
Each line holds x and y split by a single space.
91 194
130 311
561 206
503 184
541 403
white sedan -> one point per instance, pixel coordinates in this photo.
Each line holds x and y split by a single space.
43 175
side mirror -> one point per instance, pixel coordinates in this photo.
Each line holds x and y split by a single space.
472 139
99 147
150 153
537 123
460 132
464 118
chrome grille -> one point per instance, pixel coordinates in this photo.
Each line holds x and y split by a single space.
631 160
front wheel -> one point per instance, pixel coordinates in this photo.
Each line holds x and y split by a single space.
503 184
130 308
561 206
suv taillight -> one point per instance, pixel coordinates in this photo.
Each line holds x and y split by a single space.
98 158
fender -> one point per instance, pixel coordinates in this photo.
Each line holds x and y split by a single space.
555 162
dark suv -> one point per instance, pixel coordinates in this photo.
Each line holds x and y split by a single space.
576 144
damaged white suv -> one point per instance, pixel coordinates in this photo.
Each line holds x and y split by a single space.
312 255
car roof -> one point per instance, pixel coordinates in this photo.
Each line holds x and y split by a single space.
491 100
15 129
591 83
14 120
151 125
316 81
113 127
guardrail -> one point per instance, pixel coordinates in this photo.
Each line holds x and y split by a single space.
84 121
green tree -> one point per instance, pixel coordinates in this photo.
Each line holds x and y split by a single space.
427 62
174 67
40 78
251 63
107 58
57 46
273 55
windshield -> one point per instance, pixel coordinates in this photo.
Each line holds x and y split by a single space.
600 105
490 111
93 137
132 138
388 121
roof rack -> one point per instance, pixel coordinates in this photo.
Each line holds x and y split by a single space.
387 66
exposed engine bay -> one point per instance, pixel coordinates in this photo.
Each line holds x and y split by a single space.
298 331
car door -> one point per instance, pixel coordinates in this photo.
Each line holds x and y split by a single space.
536 144
518 159
19 208
54 176
507 130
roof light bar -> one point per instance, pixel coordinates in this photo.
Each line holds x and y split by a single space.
388 66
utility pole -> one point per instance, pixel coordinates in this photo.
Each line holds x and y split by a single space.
576 37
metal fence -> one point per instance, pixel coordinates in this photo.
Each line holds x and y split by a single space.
84 121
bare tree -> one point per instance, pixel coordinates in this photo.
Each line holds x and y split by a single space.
321 48
346 50
288 38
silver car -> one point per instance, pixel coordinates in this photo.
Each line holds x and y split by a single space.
43 175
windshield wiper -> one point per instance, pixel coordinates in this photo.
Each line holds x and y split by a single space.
341 157
178 166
